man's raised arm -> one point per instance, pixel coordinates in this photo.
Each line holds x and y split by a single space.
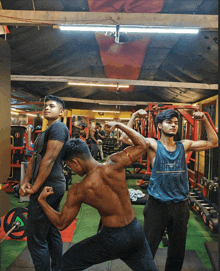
140 113
129 154
61 220
202 145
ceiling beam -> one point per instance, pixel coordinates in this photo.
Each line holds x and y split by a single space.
28 103
25 101
115 81
104 102
55 18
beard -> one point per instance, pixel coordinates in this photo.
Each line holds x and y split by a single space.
168 135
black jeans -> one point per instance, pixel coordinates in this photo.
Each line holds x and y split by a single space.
94 150
43 238
127 243
174 216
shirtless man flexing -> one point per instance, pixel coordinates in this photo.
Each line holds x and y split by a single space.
104 188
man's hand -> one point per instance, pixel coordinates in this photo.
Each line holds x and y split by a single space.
141 113
23 191
110 126
31 191
47 191
199 116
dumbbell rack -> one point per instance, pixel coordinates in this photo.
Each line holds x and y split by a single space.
205 208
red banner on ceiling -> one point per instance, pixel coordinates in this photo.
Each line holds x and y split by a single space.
123 61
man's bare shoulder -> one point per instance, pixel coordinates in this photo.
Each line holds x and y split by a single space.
152 143
186 143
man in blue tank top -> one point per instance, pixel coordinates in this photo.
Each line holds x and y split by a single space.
168 188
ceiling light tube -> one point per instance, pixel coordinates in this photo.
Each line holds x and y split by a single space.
98 85
159 30
130 29
103 111
14 113
100 118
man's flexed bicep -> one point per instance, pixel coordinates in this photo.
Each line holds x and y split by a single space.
63 219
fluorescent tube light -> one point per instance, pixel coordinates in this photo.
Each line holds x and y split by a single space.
129 29
98 85
103 111
158 30
99 118
14 113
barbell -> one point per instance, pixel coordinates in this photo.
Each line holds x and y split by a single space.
12 217
15 226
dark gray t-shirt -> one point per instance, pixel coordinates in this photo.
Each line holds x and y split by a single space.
57 131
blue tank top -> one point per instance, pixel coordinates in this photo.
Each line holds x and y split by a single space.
169 178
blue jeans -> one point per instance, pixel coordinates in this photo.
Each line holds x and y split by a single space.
43 238
127 243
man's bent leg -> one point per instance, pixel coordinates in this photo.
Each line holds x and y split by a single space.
142 260
88 252
177 236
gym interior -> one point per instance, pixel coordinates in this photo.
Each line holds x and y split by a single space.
102 75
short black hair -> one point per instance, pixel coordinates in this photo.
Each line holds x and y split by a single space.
75 148
97 123
166 115
56 99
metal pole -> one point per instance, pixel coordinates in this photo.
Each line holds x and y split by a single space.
15 225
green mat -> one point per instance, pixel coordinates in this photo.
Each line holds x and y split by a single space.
87 225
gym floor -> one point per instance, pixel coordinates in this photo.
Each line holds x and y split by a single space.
87 225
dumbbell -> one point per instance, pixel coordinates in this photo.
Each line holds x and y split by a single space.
206 215
204 181
197 191
215 187
212 183
213 213
213 225
198 204
191 200
215 179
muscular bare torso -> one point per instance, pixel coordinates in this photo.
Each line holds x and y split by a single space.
106 190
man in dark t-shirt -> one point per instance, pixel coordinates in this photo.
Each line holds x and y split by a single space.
45 168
